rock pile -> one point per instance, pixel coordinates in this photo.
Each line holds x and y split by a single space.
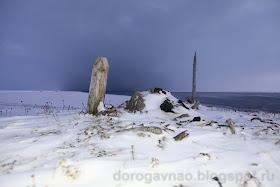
170 104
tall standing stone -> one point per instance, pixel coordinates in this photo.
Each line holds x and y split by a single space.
98 85
194 79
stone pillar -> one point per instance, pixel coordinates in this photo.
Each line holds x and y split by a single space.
194 79
98 85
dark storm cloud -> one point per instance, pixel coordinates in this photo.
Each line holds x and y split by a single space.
52 44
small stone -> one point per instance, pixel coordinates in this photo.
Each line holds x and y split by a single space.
181 136
149 90
128 125
196 119
257 133
208 123
205 154
189 101
104 136
183 116
141 134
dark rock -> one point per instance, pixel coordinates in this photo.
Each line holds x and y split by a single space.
184 121
136 102
196 119
159 90
182 104
167 106
217 179
257 118
205 154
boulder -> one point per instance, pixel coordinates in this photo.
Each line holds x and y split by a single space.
167 106
136 102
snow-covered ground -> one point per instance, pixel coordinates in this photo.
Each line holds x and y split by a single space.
47 140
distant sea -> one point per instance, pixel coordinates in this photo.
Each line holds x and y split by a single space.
269 102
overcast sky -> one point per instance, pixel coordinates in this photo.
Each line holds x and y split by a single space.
52 44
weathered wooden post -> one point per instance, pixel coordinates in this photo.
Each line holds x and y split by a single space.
194 79
98 85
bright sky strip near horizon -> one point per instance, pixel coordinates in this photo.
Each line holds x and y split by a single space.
51 45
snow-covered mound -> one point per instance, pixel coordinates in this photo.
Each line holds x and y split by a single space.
153 101
148 101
